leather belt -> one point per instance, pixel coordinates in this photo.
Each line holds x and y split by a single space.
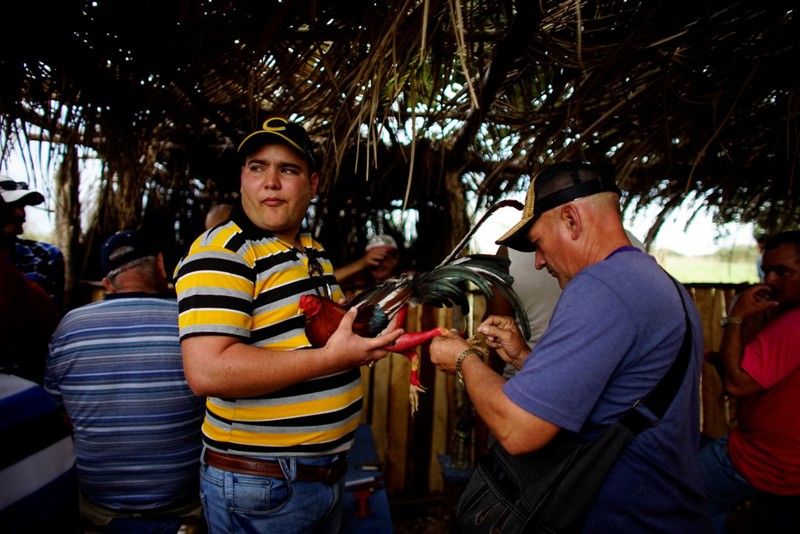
271 468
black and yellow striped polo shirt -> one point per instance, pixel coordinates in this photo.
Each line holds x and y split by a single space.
237 280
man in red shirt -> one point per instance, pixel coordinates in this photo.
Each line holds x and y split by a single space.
762 453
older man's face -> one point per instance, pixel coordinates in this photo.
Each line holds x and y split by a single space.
550 253
781 267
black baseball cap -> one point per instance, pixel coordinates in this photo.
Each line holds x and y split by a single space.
124 247
552 187
280 130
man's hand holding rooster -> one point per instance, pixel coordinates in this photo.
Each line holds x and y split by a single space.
351 350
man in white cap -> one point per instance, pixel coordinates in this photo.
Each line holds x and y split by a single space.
378 264
617 328
41 262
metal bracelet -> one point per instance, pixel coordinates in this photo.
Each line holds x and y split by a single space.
460 360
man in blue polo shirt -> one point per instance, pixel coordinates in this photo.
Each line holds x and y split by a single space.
116 368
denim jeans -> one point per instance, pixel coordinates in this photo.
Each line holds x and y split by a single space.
724 485
238 503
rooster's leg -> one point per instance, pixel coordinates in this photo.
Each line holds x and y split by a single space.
414 385
406 345
412 340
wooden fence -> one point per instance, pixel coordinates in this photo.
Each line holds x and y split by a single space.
409 446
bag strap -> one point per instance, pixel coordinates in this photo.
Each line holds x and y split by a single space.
660 397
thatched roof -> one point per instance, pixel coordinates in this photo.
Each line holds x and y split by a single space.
682 97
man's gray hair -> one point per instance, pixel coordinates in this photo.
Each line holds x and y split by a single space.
147 266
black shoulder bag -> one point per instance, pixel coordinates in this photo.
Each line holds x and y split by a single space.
551 490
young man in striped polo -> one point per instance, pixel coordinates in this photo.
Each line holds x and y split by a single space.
281 415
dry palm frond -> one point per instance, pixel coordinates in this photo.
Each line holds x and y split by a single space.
428 101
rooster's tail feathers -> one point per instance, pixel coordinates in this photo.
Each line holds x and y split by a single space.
446 285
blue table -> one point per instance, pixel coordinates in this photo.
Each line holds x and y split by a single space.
364 479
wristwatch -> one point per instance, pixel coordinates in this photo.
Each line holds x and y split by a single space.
730 320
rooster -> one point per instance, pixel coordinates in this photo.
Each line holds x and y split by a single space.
323 315
444 285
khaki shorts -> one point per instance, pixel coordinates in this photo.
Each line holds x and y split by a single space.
100 516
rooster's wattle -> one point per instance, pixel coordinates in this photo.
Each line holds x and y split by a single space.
444 285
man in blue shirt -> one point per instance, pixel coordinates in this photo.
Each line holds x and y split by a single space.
116 367
615 331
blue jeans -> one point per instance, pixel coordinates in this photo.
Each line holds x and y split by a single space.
238 503
724 485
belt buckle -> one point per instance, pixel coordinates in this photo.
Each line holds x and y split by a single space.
337 469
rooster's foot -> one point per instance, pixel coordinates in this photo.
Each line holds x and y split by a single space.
413 396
